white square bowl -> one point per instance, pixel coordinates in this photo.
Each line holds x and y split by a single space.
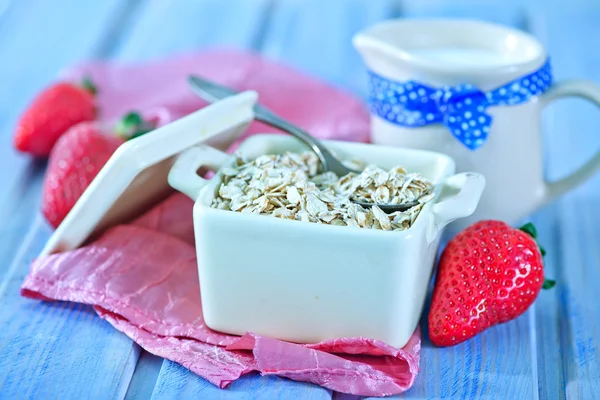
306 282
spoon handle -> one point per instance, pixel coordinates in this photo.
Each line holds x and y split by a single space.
329 161
267 116
211 91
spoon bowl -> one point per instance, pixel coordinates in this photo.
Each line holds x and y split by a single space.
388 208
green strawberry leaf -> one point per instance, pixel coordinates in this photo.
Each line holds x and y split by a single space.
89 85
133 125
548 284
140 132
530 229
131 119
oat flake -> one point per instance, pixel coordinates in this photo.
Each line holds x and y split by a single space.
288 186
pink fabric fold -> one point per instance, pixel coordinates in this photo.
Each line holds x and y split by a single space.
142 276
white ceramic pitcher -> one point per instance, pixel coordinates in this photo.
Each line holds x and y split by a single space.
441 53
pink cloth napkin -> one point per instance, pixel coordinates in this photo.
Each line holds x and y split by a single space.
142 276
161 87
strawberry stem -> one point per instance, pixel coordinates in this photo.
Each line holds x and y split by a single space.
89 85
530 229
133 125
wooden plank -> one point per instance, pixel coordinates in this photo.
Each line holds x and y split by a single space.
483 375
579 314
177 382
187 26
569 324
288 34
579 362
48 350
506 12
547 336
483 367
56 349
570 125
316 37
32 58
497 363
163 28
20 211
144 377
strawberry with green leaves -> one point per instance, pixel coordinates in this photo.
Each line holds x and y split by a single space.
77 158
488 274
52 113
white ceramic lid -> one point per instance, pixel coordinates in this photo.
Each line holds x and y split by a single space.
135 177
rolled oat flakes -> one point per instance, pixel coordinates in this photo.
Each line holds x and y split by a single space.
289 186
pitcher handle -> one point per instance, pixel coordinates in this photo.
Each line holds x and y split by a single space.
183 175
572 88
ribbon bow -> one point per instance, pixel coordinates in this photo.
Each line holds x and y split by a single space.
461 108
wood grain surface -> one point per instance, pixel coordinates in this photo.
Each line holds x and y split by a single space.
55 350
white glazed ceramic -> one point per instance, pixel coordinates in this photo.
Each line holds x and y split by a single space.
511 159
306 282
135 177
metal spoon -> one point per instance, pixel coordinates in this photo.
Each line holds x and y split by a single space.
211 92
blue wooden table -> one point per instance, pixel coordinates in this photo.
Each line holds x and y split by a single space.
63 350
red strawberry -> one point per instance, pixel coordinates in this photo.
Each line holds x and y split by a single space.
51 113
488 274
77 158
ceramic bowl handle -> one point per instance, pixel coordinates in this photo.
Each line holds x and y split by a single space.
573 88
465 191
183 175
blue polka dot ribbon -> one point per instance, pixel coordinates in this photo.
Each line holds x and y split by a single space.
461 108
